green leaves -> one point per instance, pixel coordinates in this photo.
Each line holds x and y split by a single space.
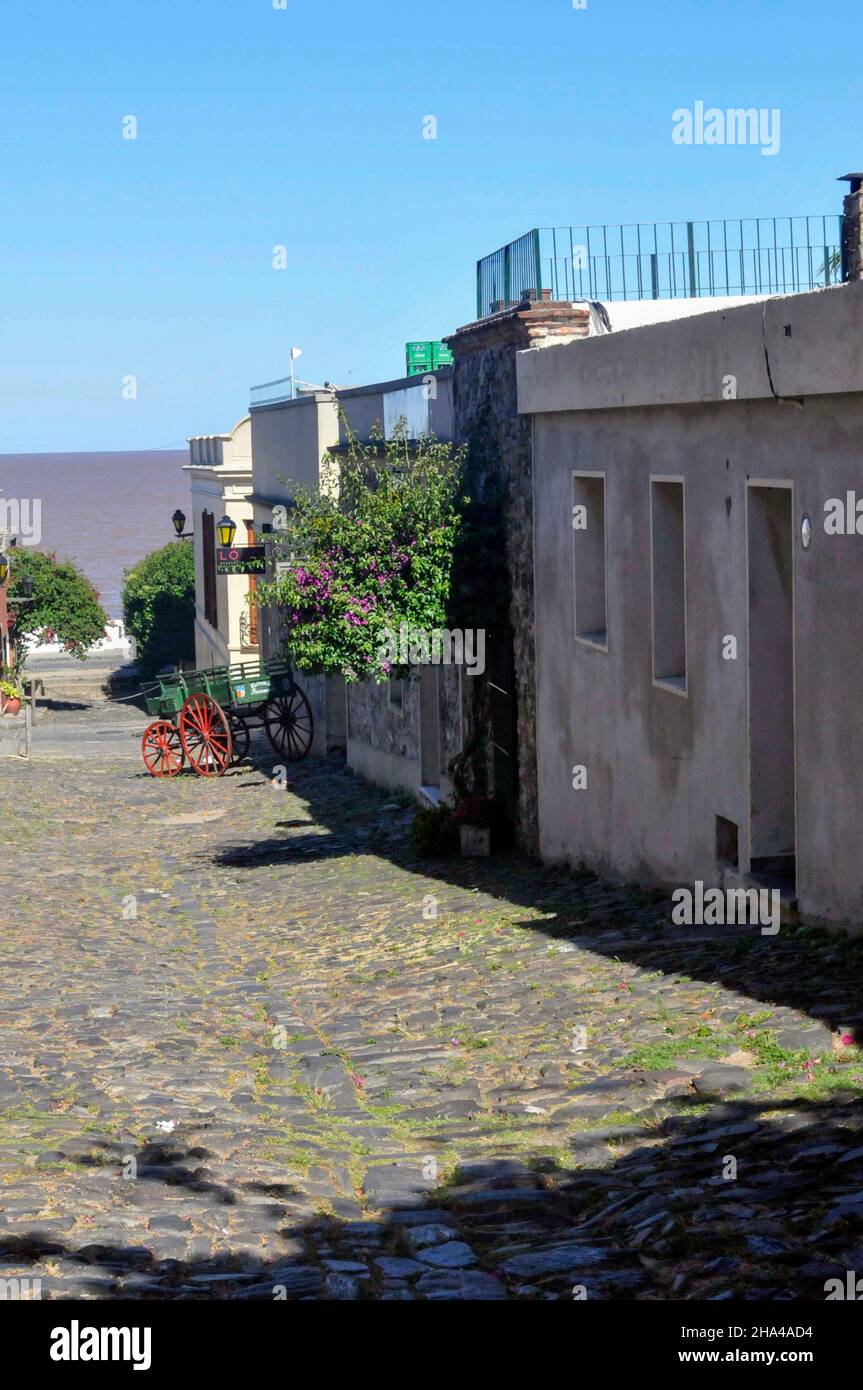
159 605
378 540
64 607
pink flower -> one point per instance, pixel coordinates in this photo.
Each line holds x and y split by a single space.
847 1040
357 1080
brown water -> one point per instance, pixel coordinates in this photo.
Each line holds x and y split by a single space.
105 511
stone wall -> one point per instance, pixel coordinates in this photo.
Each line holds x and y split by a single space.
485 401
374 721
852 230
486 418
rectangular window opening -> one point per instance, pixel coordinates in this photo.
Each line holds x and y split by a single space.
669 584
588 558
726 843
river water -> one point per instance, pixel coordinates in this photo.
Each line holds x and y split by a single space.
105 511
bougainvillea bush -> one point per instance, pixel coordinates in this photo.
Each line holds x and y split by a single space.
377 552
64 608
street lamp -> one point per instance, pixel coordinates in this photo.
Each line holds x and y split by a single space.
27 586
178 521
226 530
4 569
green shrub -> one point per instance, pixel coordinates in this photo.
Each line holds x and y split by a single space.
64 606
159 606
434 832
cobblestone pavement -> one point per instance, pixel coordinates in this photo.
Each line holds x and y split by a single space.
250 1048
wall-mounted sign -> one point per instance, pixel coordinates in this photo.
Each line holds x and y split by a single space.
240 559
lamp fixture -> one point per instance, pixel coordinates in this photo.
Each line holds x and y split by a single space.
226 530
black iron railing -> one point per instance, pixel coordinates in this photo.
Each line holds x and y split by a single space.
663 260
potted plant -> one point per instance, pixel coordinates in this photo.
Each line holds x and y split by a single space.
475 816
10 697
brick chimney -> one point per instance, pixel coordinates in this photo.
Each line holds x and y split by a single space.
852 229
532 323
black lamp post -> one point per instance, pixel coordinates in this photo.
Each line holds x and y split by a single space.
179 521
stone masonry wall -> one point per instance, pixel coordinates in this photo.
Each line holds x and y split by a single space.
485 398
852 235
484 388
372 720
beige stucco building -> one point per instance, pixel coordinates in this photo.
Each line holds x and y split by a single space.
699 633
220 476
291 439
296 443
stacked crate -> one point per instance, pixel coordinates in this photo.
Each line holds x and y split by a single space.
426 357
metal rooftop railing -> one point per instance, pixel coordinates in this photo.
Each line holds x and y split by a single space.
286 388
663 260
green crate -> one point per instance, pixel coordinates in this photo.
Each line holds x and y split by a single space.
441 355
419 354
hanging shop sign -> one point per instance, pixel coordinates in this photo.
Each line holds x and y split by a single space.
240 559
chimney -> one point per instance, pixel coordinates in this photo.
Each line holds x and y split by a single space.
852 228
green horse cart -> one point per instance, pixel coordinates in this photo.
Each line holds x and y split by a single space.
204 717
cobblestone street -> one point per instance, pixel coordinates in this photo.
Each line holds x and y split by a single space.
251 1048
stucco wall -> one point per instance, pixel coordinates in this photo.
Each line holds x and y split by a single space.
383 742
661 767
792 345
220 478
383 402
288 441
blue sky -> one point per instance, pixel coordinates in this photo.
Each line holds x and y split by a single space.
303 127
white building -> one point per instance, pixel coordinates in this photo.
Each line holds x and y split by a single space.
220 475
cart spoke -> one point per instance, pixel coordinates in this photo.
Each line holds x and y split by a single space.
161 750
290 725
205 735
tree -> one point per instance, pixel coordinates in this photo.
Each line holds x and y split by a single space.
377 550
159 606
64 606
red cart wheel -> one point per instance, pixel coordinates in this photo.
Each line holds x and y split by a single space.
162 750
290 726
205 735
